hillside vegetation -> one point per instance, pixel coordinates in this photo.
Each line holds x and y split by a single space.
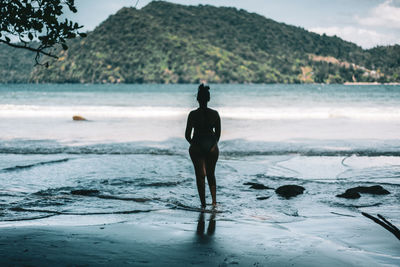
169 43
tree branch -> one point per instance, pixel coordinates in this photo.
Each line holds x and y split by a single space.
29 48
388 226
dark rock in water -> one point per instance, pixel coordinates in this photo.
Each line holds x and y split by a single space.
257 186
85 192
262 198
354 192
288 191
374 190
349 194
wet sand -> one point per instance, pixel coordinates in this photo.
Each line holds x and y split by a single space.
185 238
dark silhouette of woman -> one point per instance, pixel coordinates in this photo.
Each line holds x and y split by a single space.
203 150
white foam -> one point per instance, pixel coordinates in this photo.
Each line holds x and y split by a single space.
248 113
21 111
302 113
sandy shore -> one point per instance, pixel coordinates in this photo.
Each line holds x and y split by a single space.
182 238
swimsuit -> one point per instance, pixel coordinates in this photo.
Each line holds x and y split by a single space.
204 136
205 142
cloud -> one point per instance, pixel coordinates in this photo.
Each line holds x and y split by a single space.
366 38
386 14
379 26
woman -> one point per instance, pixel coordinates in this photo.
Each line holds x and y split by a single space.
203 150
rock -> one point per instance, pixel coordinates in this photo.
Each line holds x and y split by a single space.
353 193
78 118
262 198
349 194
374 190
85 192
257 186
288 191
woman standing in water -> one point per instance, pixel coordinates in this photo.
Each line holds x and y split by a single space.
203 150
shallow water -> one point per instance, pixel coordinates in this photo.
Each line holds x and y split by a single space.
132 155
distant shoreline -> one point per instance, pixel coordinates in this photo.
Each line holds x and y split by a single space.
345 83
369 83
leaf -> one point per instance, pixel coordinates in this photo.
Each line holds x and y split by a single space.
64 46
8 39
30 36
82 34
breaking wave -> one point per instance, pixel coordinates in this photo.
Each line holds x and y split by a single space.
229 148
248 113
23 167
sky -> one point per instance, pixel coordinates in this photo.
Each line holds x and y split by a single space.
367 23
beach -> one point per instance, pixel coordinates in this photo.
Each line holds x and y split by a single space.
119 188
173 238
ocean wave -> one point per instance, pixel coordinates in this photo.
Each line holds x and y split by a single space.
20 209
27 111
161 184
128 181
104 149
353 206
260 178
306 112
378 113
180 206
26 218
132 150
65 190
135 199
86 192
313 153
23 167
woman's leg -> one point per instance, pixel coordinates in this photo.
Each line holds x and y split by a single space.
211 161
200 171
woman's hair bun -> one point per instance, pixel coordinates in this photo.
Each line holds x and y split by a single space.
203 94
204 87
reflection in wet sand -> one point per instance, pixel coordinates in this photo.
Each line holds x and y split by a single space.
200 232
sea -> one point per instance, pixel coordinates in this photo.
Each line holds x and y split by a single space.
130 157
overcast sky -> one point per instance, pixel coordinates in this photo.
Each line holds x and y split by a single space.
365 22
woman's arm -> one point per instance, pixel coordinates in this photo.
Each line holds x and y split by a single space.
189 127
218 127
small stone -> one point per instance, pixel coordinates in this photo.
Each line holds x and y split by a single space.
353 193
288 191
257 186
78 118
349 195
374 190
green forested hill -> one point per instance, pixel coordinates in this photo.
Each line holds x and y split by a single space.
169 43
16 65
